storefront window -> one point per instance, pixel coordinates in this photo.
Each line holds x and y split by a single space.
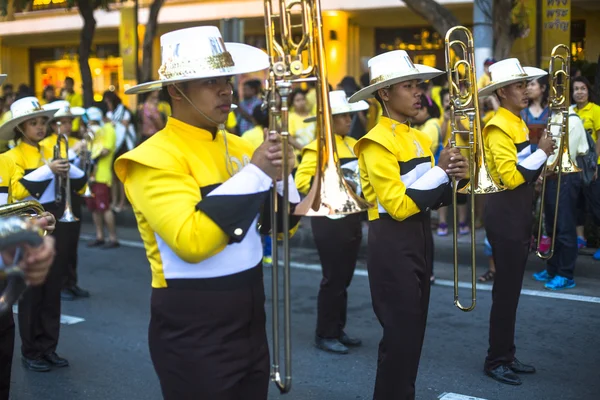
578 40
424 45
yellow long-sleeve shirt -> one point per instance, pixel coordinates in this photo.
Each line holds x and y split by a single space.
7 171
105 138
590 116
432 129
33 179
397 172
508 151
308 165
197 212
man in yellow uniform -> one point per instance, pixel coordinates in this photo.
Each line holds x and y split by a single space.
197 192
338 240
74 99
399 179
508 216
103 152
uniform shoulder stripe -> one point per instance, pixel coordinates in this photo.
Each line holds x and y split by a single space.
407 166
521 146
205 190
3 189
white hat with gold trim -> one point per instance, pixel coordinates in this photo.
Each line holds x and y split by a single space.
390 68
23 110
340 105
505 72
200 53
64 109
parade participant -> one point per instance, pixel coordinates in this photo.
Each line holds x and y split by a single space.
197 192
508 216
101 178
398 176
35 178
337 240
65 115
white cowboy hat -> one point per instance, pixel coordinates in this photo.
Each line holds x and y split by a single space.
340 105
22 110
390 68
2 78
505 72
95 114
64 109
199 53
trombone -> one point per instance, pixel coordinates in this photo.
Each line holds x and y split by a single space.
63 182
329 195
464 102
86 159
558 102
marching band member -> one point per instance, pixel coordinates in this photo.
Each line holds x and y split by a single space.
197 192
337 240
398 177
65 115
508 216
35 178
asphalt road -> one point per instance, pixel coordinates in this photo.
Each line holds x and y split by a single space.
109 354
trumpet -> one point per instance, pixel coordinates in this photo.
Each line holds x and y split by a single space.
464 102
15 231
63 183
329 195
86 160
558 102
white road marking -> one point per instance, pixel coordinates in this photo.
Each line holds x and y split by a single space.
64 319
439 282
456 396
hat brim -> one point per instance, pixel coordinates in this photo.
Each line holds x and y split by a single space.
6 130
75 112
351 108
2 78
246 59
425 73
532 73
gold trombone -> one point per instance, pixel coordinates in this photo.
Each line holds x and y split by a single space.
63 182
329 195
86 159
558 101
464 102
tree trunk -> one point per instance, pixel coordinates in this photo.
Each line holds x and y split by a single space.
502 22
85 47
437 15
147 47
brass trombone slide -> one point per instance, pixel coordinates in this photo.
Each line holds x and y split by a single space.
329 195
464 102
558 101
63 182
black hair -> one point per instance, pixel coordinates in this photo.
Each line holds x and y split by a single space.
364 79
443 92
112 97
543 82
293 95
431 106
254 84
440 80
69 79
349 85
592 98
261 116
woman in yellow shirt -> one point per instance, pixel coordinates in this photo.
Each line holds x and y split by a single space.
301 132
508 217
337 240
35 178
399 178
589 112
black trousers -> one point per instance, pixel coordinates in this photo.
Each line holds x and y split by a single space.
39 308
72 244
507 220
207 338
338 242
400 262
565 242
7 344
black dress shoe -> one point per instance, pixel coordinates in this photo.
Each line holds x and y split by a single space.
79 292
331 345
348 341
67 295
503 374
520 368
56 361
37 365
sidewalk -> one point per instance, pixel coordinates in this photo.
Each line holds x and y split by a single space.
586 265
